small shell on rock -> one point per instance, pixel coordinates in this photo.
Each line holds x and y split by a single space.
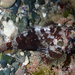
37 5
22 53
17 19
6 3
32 53
59 24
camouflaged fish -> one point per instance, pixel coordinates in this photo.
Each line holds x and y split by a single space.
53 38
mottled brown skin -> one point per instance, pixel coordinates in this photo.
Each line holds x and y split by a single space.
32 42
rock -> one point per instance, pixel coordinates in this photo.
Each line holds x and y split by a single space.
1 72
10 30
35 55
69 23
59 24
62 20
20 57
36 17
22 53
28 1
35 60
1 40
1 16
26 61
3 63
22 23
12 71
15 7
55 17
37 5
3 47
58 71
44 14
15 65
70 16
41 2
6 3
6 71
72 3
1 56
19 72
56 0
8 59
54 54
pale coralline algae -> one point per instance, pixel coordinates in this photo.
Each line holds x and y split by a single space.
10 30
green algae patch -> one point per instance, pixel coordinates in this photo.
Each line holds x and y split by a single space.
66 13
1 56
9 59
43 71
